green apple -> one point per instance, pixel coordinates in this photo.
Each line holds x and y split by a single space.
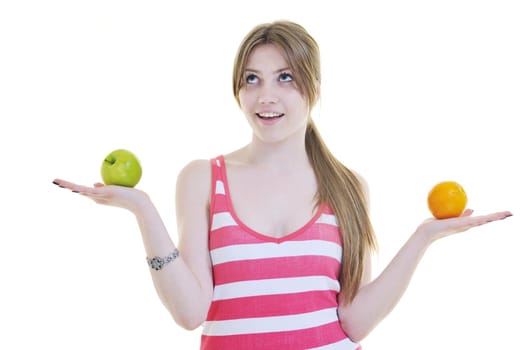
121 167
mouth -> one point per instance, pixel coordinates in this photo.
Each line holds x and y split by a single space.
269 115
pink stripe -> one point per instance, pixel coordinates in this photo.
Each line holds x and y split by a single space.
220 204
296 266
321 231
237 235
300 339
230 235
271 305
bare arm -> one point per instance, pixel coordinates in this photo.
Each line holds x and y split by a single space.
185 285
376 299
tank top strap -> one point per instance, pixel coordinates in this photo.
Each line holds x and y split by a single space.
218 200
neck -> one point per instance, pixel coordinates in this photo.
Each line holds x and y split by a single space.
286 154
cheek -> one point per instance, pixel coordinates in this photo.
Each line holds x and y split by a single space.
299 102
244 99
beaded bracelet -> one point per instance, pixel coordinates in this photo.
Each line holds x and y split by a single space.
158 263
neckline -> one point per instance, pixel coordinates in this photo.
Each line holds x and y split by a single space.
288 236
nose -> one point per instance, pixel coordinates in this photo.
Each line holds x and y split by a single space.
268 94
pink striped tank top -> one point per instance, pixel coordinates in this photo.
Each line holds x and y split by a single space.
272 293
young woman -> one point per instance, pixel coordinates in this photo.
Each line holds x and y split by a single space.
275 237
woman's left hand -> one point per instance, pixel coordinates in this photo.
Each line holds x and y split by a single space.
436 229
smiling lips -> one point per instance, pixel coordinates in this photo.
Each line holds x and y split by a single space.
269 115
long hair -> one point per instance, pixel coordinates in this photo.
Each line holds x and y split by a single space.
337 185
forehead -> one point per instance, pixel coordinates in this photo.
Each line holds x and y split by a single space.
267 56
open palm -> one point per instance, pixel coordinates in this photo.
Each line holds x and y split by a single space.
118 196
445 227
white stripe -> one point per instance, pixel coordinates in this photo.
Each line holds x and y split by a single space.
219 187
275 250
218 162
345 344
222 220
270 324
274 286
328 219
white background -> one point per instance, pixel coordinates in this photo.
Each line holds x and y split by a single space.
414 92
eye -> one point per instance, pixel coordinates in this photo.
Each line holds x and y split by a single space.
285 77
251 78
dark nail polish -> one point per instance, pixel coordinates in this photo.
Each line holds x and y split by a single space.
75 191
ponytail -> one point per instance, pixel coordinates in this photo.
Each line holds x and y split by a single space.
341 189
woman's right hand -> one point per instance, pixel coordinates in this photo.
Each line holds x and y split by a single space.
117 196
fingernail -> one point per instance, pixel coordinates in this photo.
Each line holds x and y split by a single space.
59 185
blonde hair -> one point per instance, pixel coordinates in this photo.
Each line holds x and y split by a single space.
337 185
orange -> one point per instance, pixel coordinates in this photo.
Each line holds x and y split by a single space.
447 199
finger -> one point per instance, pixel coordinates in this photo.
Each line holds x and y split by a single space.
467 212
498 216
485 219
62 183
68 185
88 191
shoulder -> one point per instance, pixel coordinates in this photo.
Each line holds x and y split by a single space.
196 167
195 176
362 183
364 188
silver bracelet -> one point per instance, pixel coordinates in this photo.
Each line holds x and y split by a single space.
158 263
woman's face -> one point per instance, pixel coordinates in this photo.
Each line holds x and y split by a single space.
270 98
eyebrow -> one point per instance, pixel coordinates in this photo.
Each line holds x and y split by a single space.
280 70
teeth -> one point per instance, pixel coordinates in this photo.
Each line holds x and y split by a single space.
269 115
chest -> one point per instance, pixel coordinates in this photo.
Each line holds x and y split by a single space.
273 204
